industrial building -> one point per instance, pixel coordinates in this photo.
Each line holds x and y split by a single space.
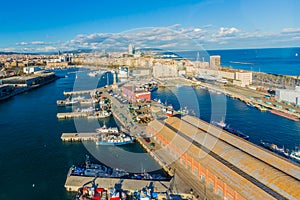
135 95
292 96
230 166
30 80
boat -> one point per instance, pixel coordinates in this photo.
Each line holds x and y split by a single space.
220 124
71 102
88 101
184 111
295 155
152 89
90 169
78 98
112 136
104 129
95 73
87 110
286 115
261 108
114 139
123 72
250 105
100 115
275 148
236 132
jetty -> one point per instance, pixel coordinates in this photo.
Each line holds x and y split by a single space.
70 115
79 92
78 137
73 183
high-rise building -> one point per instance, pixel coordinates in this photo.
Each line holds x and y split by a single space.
131 49
215 61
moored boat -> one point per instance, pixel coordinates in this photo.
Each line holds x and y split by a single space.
236 132
112 136
100 115
273 147
283 114
220 124
295 155
153 88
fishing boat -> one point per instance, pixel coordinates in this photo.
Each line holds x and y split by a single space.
90 169
184 111
87 110
153 88
104 129
95 73
261 108
99 115
220 124
114 139
295 155
236 132
71 102
273 147
112 136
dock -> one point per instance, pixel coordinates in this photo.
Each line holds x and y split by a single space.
78 92
73 183
77 137
70 115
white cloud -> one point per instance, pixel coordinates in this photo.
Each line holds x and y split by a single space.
22 44
171 38
11 49
226 32
291 30
38 43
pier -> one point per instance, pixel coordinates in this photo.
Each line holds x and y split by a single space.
73 183
78 137
79 92
70 115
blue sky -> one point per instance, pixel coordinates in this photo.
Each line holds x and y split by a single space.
215 24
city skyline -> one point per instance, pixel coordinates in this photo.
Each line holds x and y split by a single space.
32 26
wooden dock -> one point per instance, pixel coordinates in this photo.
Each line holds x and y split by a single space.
77 137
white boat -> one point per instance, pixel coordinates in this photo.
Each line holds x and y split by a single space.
95 73
103 114
295 155
114 139
184 111
78 98
90 109
71 102
88 101
104 129
123 72
220 124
